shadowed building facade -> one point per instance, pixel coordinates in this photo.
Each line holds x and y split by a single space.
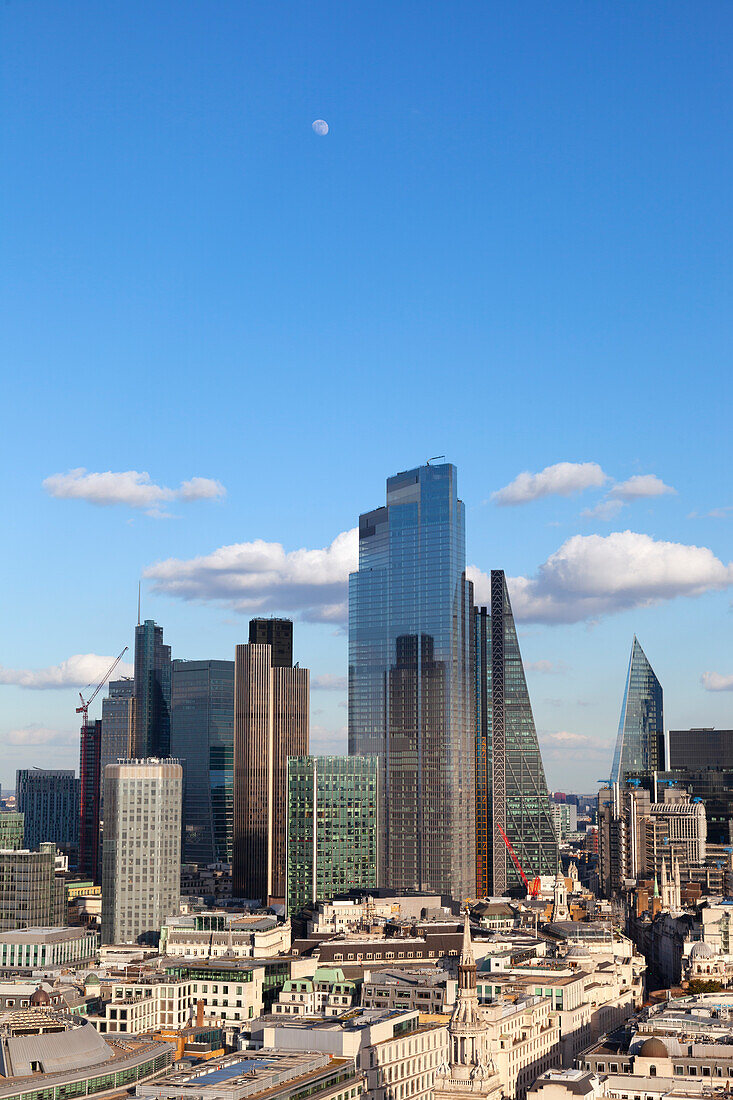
511 789
271 717
90 799
640 740
117 723
152 711
202 738
410 681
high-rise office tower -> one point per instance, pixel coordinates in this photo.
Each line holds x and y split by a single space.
410 681
141 862
117 727
49 799
640 739
11 830
332 827
32 895
89 798
271 711
202 738
151 719
277 633
511 789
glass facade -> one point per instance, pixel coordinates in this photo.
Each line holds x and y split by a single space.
117 711
332 827
511 789
90 800
640 740
49 799
410 692
151 719
202 738
11 830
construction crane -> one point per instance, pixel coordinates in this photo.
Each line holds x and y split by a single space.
86 703
533 887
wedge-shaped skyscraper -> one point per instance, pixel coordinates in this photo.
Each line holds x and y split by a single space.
640 740
511 789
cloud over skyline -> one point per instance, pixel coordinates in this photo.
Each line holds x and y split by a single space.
77 671
252 576
716 681
129 488
593 575
562 479
641 486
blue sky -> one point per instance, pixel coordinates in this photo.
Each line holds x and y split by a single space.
513 247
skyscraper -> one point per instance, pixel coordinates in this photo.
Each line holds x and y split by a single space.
49 799
141 863
277 633
117 723
32 895
332 827
202 738
90 798
640 740
151 720
271 709
511 789
410 689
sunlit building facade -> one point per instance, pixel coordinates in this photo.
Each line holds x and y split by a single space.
410 680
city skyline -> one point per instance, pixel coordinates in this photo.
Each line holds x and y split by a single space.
523 211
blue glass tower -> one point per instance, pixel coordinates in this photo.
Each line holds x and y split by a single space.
640 740
410 680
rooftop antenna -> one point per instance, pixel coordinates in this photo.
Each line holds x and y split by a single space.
434 458
139 583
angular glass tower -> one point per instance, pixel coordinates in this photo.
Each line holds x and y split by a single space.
410 689
640 740
202 738
511 789
152 714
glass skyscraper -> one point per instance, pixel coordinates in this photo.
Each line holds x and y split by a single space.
410 680
640 740
117 723
332 827
511 789
202 738
152 716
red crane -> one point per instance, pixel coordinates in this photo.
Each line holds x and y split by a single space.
86 703
533 887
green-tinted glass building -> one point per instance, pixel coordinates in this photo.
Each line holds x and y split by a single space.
511 789
332 827
11 830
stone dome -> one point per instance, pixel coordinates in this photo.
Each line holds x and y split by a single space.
653 1048
702 951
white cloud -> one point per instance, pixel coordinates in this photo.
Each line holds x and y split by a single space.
77 671
545 666
563 479
38 735
568 747
329 682
594 575
605 510
328 742
715 681
640 486
259 575
131 488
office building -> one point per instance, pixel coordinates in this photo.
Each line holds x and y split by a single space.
32 895
269 1074
151 719
640 739
202 738
410 682
271 714
564 818
332 827
117 723
89 799
278 634
511 789
31 949
141 863
11 830
696 749
49 801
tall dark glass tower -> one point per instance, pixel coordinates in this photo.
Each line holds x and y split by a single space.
202 738
511 789
640 740
90 799
410 690
152 715
118 707
278 634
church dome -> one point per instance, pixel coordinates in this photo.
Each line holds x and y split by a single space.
653 1048
702 951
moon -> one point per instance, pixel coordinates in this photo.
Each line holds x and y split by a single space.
320 127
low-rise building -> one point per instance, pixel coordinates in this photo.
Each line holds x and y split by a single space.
43 950
212 934
327 992
427 990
